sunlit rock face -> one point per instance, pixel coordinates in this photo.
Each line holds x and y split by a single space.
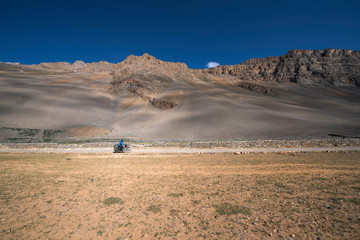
144 76
337 67
147 64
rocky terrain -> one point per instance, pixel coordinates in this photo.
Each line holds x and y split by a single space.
303 94
147 64
334 67
145 75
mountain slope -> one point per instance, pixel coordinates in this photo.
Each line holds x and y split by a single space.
149 99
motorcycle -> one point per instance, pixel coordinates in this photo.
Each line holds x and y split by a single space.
123 149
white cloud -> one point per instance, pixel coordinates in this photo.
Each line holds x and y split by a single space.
212 64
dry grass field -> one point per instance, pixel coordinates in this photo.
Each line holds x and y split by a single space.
218 196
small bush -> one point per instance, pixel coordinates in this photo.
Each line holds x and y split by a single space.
282 186
51 133
229 209
154 208
176 195
20 140
174 212
355 201
113 200
29 132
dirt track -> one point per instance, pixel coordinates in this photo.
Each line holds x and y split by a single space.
210 196
168 150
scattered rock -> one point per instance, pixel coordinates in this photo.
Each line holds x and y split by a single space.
289 238
257 88
162 104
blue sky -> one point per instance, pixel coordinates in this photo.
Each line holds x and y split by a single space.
194 32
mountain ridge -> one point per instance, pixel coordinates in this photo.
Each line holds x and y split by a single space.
335 67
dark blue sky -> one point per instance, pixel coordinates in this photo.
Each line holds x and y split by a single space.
194 32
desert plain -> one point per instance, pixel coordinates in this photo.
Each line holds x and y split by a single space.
180 196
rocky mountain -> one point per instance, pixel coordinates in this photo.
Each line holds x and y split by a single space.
334 67
144 76
147 64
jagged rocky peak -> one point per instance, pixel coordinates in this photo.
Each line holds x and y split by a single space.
147 64
255 69
145 76
133 58
261 60
337 67
329 52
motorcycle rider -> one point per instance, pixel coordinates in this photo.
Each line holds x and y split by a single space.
121 145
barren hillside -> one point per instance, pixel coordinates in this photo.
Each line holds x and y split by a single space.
303 94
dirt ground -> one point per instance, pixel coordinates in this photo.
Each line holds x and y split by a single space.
190 196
